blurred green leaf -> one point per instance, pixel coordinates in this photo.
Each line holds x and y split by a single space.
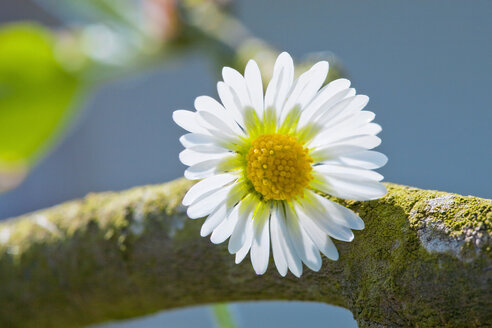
36 95
223 316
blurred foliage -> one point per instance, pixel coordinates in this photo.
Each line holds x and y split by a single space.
36 95
223 316
42 70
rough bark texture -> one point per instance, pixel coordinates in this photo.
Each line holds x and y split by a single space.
423 260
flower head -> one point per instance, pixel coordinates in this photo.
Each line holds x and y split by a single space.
264 159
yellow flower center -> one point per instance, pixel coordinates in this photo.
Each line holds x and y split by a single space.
279 167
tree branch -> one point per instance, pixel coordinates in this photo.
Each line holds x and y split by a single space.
424 259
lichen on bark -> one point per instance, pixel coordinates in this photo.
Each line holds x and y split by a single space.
423 260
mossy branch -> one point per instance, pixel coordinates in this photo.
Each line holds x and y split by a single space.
424 259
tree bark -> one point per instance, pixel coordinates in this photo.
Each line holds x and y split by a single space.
423 260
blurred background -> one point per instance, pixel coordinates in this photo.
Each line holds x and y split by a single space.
87 89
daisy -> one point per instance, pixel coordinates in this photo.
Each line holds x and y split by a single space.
264 159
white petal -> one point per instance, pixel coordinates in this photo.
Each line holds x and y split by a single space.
371 129
311 115
190 157
281 82
293 260
334 107
343 109
317 213
352 125
254 83
238 192
237 83
207 185
224 230
261 213
350 128
209 104
195 139
202 170
238 236
278 244
318 236
333 151
324 96
346 172
204 206
362 118
363 141
348 188
189 121
355 107
260 249
214 219
248 240
306 87
366 159
217 123
231 102
339 213
208 149
303 244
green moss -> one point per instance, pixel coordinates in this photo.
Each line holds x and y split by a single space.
457 213
399 282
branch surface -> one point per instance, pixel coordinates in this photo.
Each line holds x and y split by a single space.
423 260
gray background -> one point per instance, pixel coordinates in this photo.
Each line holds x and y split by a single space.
425 64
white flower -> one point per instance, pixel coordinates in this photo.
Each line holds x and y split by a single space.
265 159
